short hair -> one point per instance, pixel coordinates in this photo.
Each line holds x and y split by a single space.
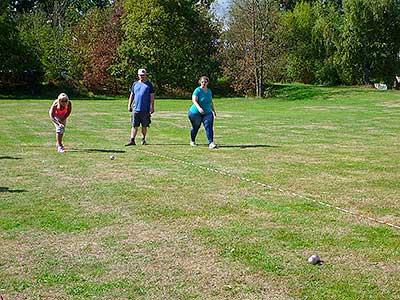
204 78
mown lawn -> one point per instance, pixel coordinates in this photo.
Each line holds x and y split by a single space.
170 221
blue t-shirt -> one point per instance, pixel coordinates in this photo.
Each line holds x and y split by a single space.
142 93
204 99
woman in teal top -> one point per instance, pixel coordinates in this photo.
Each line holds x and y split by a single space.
202 111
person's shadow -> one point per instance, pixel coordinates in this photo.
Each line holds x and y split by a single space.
9 157
223 146
4 189
96 150
247 146
168 144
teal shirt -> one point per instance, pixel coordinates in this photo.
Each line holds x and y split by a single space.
204 99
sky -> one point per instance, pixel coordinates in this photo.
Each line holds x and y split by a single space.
220 7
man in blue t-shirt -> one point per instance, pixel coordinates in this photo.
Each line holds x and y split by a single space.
142 99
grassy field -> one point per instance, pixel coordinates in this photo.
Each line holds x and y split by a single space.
169 221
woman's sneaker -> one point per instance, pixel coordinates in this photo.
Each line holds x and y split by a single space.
193 144
61 149
212 145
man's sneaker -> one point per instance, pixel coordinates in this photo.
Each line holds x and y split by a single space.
144 142
193 144
212 145
61 149
131 143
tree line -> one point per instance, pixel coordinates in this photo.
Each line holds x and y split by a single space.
97 46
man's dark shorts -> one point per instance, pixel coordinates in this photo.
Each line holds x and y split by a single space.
141 118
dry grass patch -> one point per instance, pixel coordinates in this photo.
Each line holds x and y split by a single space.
390 104
155 260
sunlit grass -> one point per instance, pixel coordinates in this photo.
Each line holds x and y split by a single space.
156 224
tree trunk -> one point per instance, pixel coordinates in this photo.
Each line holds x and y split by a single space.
255 48
367 71
367 67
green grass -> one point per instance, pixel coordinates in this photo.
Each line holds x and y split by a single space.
155 224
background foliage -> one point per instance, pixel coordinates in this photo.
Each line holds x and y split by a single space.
174 40
97 46
252 45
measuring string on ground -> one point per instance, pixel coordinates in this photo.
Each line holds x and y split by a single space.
270 187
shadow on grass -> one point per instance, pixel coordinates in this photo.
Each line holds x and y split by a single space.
9 157
220 146
248 146
169 144
7 190
97 150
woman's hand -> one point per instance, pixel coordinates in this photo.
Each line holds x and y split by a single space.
58 122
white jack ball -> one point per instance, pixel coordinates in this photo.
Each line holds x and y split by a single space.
314 259
112 157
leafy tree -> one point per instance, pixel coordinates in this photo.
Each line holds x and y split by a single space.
57 7
22 6
19 64
327 32
312 30
291 4
304 45
45 27
174 39
370 41
51 45
251 47
66 12
95 45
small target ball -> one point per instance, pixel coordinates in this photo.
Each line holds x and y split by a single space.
314 259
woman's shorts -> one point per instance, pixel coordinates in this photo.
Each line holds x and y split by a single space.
60 129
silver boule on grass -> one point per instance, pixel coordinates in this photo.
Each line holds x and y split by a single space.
314 259
112 157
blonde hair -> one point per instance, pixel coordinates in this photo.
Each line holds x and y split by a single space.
204 78
62 96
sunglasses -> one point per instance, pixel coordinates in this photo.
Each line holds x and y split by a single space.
204 81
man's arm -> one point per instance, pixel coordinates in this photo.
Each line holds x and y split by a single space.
152 96
130 102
